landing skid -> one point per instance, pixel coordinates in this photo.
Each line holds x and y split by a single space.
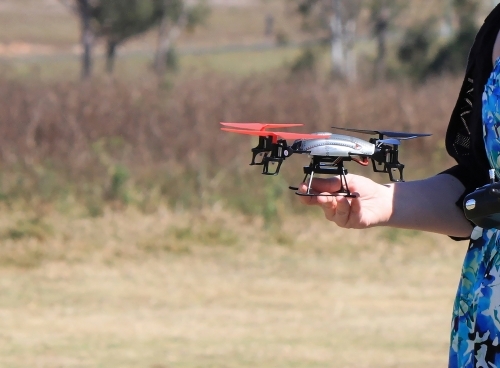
336 194
318 166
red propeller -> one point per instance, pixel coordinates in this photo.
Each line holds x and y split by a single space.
259 126
275 135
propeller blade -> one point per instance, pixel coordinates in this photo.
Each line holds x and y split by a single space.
284 135
414 135
259 126
387 133
393 141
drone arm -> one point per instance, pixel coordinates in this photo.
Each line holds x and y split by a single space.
386 160
263 148
273 161
275 156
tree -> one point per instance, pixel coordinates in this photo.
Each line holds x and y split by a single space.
414 50
337 19
177 16
116 21
417 50
382 15
84 10
452 56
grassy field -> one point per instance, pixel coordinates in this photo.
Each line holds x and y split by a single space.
123 247
135 65
124 244
214 290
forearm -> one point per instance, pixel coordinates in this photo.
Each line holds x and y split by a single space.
429 205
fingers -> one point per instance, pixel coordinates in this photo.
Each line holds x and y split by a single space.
329 185
335 208
305 199
319 186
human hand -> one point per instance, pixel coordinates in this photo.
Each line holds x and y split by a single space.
372 205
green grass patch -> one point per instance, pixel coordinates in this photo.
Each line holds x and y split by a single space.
242 62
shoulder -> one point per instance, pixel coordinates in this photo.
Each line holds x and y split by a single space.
496 48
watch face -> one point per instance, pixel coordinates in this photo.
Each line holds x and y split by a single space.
470 204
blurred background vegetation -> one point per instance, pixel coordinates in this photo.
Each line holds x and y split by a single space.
116 103
133 232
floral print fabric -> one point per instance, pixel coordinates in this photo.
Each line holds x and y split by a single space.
475 335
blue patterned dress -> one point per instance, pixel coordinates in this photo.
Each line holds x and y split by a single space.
475 335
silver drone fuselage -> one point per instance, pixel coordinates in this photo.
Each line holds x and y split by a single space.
335 145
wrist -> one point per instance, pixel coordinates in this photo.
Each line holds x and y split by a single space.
386 194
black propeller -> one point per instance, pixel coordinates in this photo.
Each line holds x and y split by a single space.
386 133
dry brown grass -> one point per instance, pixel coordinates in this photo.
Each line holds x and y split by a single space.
62 120
120 245
167 290
135 142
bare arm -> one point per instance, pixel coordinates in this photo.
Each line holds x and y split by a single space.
427 205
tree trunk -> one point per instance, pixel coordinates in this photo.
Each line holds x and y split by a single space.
343 39
338 52
380 28
160 54
87 37
380 63
111 56
166 39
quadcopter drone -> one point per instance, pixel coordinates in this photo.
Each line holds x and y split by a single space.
327 151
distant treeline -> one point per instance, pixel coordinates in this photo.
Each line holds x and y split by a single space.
433 45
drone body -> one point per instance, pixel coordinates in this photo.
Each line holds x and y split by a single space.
335 145
327 151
